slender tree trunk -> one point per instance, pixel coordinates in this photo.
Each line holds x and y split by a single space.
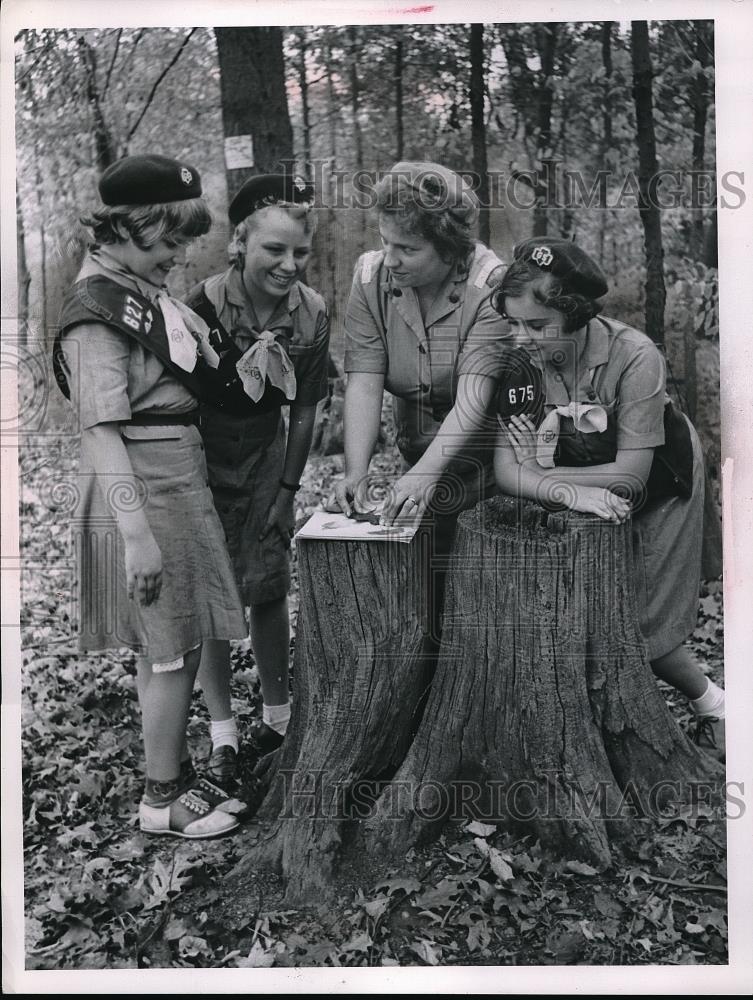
355 110
305 110
24 278
332 117
104 146
700 115
606 58
254 99
399 99
648 168
546 42
355 96
478 127
42 244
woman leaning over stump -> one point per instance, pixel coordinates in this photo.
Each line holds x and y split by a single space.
420 325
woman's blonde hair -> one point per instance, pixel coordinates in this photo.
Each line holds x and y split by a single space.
239 241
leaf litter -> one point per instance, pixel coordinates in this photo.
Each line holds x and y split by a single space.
101 895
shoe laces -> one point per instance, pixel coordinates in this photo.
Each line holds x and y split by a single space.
191 800
209 786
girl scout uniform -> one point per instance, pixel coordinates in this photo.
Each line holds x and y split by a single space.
246 442
422 358
623 373
114 378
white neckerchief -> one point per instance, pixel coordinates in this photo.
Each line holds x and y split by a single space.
588 418
266 359
187 333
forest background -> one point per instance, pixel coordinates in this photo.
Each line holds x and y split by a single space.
568 121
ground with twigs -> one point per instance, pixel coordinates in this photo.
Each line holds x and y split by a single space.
99 894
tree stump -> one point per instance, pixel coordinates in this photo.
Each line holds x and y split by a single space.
543 708
360 668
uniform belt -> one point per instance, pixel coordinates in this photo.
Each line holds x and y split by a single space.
149 419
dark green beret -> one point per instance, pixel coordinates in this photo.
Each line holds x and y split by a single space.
268 189
149 180
565 261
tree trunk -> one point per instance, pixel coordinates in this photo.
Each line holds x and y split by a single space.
546 42
543 711
330 240
359 674
254 101
24 278
700 101
606 58
355 109
399 99
305 109
104 146
648 178
478 128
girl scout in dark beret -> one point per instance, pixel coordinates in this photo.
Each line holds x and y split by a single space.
272 333
607 426
154 572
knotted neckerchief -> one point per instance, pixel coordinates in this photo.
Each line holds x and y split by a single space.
187 333
588 418
266 359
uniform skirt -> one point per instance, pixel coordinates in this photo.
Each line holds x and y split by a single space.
199 599
245 459
667 536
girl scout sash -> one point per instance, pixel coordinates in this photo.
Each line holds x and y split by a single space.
100 299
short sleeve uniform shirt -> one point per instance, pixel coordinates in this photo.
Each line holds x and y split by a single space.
422 358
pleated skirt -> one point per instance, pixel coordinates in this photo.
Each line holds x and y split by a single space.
199 599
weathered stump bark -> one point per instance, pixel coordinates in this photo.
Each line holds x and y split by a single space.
360 670
544 708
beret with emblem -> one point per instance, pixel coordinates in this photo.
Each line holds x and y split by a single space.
149 180
269 189
565 261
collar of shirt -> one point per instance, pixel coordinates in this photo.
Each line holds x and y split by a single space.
595 354
449 298
105 260
239 299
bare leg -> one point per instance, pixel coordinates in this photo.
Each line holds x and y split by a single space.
166 700
214 678
270 639
680 669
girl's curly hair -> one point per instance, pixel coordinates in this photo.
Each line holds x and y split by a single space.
548 290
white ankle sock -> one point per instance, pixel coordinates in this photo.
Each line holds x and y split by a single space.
711 702
224 734
276 717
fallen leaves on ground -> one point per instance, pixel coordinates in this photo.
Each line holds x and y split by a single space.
99 894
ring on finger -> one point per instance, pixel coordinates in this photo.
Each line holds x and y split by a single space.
411 500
